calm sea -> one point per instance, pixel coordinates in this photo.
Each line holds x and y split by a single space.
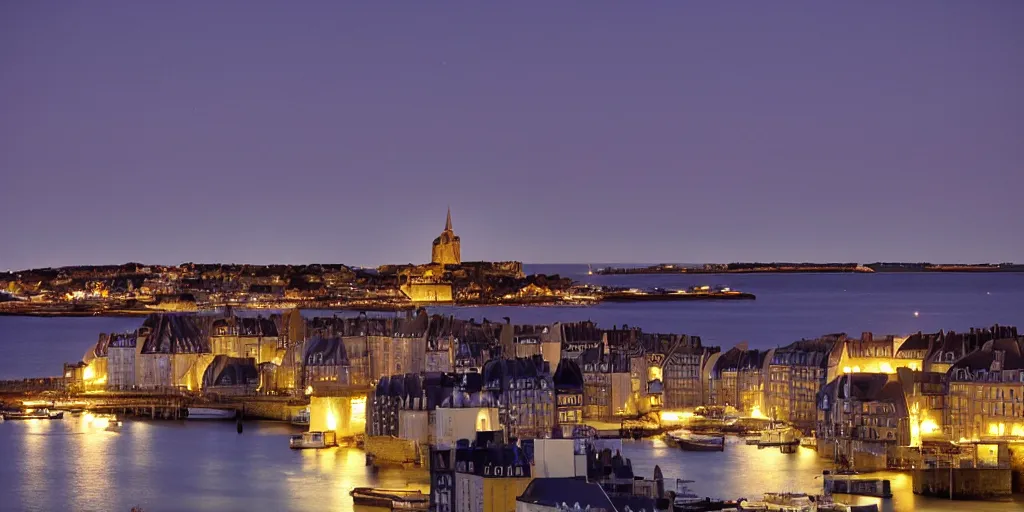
169 466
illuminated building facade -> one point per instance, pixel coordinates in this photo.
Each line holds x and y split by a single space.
121 361
862 418
523 391
568 381
986 392
607 391
737 378
681 371
255 338
446 248
796 373
489 477
173 352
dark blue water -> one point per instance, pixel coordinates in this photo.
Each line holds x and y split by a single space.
176 466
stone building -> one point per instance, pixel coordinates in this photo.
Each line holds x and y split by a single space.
489 477
440 344
326 363
867 354
737 378
796 373
681 370
227 375
121 361
568 380
523 391
173 352
951 346
243 337
607 390
986 391
446 248
862 418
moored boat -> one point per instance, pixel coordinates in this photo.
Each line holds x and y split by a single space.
781 502
690 442
394 499
33 414
313 440
206 413
784 436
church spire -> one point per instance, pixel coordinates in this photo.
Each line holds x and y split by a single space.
448 221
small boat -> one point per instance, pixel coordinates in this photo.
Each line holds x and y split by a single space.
687 501
206 413
394 499
781 502
313 440
779 437
840 483
33 414
690 442
301 419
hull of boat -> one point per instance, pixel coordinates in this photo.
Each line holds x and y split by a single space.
18 416
700 446
202 413
390 499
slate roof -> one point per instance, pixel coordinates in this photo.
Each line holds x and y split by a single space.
322 351
552 492
176 334
230 371
568 376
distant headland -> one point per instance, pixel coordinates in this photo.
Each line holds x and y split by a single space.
781 268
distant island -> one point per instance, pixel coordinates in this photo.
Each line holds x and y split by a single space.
782 268
139 289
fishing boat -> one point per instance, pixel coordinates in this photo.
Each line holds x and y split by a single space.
206 413
33 414
313 440
393 499
690 442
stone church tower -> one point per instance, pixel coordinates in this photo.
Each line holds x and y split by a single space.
446 248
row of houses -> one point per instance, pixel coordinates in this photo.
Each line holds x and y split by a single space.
624 372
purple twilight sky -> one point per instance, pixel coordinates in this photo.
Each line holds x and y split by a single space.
294 132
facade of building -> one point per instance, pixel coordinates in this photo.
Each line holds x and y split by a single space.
986 391
255 338
796 373
121 361
568 381
173 352
862 418
523 391
489 478
737 379
681 372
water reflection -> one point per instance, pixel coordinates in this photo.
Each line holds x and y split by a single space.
59 465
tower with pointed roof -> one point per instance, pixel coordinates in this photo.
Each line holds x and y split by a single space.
446 248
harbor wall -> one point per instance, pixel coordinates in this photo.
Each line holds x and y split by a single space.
968 483
387 449
270 410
